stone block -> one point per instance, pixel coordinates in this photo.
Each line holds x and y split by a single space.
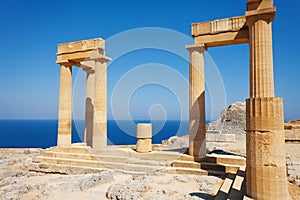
216 136
144 130
82 45
292 135
144 137
144 145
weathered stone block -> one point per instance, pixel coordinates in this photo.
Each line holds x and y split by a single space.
216 136
144 130
144 145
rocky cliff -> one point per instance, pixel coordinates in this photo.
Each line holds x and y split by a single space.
232 121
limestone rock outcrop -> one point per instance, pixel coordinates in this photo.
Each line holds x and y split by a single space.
232 121
176 142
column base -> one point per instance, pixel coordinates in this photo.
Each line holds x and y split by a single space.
266 176
197 148
63 139
99 136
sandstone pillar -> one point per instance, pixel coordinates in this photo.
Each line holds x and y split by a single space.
89 107
197 137
100 108
144 137
266 166
64 136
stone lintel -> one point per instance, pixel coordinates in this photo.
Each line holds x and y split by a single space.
223 39
82 59
83 45
219 26
77 57
80 51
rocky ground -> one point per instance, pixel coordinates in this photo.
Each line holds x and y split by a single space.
239 148
16 182
293 162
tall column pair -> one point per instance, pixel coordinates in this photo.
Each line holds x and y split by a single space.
265 145
96 109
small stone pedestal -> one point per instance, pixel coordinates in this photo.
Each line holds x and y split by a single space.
144 137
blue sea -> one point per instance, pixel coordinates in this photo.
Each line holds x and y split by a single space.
43 133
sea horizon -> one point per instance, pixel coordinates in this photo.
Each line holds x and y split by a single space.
42 133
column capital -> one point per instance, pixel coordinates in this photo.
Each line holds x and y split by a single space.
89 70
88 66
196 47
267 15
67 64
104 59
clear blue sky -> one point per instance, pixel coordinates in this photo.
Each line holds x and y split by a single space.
31 30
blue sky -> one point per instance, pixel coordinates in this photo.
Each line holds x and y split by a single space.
31 30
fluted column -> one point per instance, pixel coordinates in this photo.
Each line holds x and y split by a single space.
89 106
266 166
100 105
261 57
197 132
65 106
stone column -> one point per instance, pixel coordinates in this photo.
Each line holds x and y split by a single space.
266 166
197 135
100 105
89 106
65 106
